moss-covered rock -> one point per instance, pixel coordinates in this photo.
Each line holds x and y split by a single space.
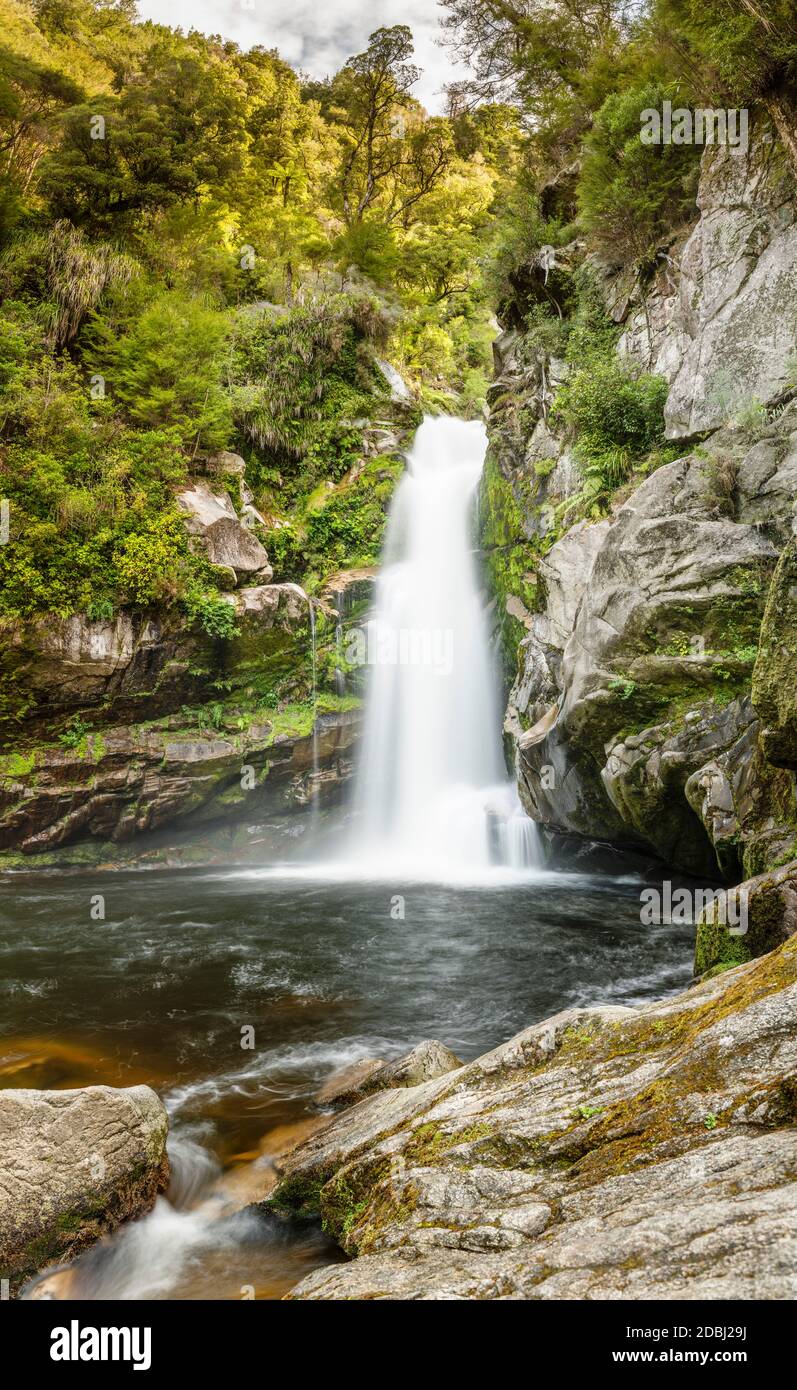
775 674
602 1153
222 763
747 921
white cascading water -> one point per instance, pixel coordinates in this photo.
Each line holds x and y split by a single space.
432 796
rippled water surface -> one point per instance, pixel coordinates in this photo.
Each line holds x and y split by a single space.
325 974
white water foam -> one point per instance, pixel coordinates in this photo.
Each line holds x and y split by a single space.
432 801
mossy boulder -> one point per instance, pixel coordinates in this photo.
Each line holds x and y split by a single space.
747 921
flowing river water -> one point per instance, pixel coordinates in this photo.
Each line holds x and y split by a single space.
436 919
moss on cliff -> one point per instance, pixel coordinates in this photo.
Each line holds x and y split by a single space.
509 556
775 675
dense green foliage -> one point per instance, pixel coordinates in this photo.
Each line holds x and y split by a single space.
584 70
197 253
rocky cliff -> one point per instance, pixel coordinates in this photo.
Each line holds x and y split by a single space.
647 624
151 737
138 755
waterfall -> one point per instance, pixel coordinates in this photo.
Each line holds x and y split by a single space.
432 796
315 790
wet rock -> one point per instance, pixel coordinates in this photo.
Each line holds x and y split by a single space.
133 781
425 1062
603 1153
349 591
74 1165
345 1086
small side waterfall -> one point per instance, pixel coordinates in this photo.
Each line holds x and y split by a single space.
314 789
432 796
340 677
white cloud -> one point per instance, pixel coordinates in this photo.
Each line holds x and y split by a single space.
316 35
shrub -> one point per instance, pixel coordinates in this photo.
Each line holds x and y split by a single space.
300 379
149 564
211 613
166 368
631 195
606 406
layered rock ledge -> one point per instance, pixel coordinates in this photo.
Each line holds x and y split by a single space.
603 1153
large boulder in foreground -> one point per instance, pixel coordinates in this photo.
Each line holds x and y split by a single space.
73 1166
603 1153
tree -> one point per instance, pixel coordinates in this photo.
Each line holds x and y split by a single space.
33 99
740 51
166 369
536 52
175 130
391 155
290 149
632 195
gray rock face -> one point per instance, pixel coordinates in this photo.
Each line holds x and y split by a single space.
212 519
719 322
131 782
535 697
400 393
603 1153
738 277
649 776
766 481
658 607
227 463
74 1164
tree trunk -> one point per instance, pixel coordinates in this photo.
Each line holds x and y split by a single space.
784 118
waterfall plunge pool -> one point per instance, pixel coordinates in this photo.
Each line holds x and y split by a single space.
325 974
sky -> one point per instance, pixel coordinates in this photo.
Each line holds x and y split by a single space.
317 35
